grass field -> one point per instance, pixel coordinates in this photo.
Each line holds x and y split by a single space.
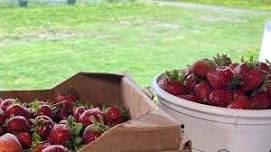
42 46
254 4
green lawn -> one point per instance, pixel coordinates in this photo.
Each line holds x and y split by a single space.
255 4
42 46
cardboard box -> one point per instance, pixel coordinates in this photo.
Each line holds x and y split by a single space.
149 130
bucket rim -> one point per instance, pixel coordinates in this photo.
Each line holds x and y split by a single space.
207 109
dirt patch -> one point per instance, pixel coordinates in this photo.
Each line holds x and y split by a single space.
50 35
53 35
218 19
151 24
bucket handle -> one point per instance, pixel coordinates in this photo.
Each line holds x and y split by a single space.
149 92
186 145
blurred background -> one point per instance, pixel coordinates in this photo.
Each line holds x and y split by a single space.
43 42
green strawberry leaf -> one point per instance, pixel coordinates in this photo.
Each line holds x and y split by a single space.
78 139
36 139
76 129
34 106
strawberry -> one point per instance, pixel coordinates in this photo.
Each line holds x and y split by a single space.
93 131
17 110
77 112
240 102
3 117
60 134
172 87
18 124
190 98
173 82
252 79
233 67
241 69
260 101
62 113
85 117
43 125
222 60
55 148
112 115
5 103
45 110
263 66
250 74
67 100
25 139
191 81
220 97
238 93
202 67
40 147
220 78
202 91
9 143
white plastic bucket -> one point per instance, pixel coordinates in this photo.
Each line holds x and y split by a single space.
215 129
265 52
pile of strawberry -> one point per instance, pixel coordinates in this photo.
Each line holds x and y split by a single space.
59 126
220 82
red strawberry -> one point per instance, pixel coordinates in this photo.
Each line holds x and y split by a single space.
40 147
5 103
85 117
17 110
250 73
173 82
92 132
43 125
260 101
263 66
190 98
55 148
9 143
202 91
61 114
18 124
67 100
238 93
252 79
2 117
233 67
25 139
220 98
172 87
240 102
202 67
191 81
77 112
241 69
60 134
220 78
112 116
45 110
